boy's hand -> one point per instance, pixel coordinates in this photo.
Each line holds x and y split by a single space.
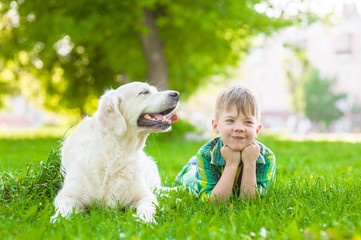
232 158
250 154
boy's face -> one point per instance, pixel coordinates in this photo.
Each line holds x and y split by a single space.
236 129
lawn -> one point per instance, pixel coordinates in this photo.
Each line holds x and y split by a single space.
316 195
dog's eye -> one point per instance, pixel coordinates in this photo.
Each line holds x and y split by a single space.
144 92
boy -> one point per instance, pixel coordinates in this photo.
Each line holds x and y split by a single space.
233 163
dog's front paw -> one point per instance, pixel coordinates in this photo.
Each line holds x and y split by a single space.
146 214
55 217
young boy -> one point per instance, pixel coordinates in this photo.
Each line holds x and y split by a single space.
233 163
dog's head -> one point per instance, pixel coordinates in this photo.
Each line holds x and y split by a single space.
138 106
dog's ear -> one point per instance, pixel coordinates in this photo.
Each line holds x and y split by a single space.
109 115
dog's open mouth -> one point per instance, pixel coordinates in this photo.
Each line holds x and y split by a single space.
158 120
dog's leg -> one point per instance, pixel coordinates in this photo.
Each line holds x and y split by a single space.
150 174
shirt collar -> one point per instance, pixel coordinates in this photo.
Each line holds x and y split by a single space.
216 156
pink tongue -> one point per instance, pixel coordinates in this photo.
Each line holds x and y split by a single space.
174 118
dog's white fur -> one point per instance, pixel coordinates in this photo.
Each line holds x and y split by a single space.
103 160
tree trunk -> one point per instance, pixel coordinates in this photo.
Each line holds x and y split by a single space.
153 51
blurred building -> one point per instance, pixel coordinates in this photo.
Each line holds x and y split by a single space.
20 114
333 49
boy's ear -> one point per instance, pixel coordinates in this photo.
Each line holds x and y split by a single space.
258 129
214 125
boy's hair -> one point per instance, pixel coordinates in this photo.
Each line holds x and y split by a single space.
243 98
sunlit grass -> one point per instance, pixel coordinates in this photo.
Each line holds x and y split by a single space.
315 196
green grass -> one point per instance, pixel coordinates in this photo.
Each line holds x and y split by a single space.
316 195
16 154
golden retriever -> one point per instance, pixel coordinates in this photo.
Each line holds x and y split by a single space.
103 161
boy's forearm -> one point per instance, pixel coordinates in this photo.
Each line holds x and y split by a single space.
223 188
249 182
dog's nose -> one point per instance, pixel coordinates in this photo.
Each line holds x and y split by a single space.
174 94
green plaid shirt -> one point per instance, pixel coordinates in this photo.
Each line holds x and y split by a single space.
202 175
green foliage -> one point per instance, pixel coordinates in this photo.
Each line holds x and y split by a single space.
76 49
7 85
315 196
321 101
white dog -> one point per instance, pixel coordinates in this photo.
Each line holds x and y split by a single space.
103 160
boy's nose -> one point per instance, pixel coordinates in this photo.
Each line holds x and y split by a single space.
239 128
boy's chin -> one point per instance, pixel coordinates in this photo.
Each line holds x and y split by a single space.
240 149
237 148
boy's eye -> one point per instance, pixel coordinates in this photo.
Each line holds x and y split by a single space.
249 122
229 120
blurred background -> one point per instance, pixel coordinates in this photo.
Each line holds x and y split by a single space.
303 57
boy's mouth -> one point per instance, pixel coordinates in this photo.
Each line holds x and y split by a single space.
238 137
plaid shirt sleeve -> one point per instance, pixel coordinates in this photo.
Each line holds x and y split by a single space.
266 171
209 174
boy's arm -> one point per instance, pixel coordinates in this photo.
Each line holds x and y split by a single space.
249 178
266 172
223 189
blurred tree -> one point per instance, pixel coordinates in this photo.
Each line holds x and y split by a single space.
7 83
297 68
77 48
356 116
312 94
321 102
